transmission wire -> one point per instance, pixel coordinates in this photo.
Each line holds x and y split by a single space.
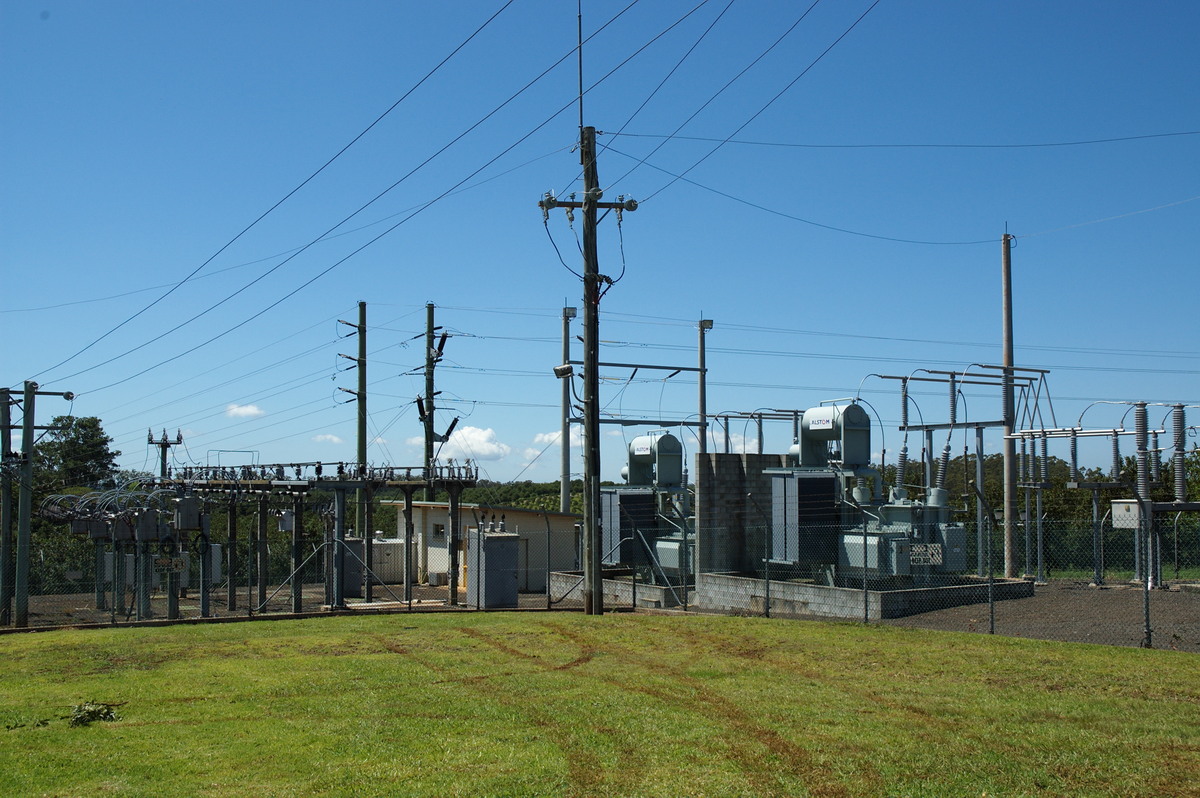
277 204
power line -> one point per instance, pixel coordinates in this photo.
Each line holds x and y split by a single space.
407 218
779 94
1112 218
634 54
793 217
758 329
932 146
282 200
293 251
722 90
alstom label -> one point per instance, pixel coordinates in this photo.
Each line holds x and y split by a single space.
821 423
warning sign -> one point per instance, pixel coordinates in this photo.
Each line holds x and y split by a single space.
925 554
168 565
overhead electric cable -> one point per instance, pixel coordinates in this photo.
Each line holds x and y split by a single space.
293 250
712 98
771 102
782 214
675 68
225 365
946 146
437 199
635 318
285 197
414 213
1111 218
629 58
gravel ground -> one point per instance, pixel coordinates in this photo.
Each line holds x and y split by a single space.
1078 613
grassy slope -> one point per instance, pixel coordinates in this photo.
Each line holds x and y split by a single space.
563 704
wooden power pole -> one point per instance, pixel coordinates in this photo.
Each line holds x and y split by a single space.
593 598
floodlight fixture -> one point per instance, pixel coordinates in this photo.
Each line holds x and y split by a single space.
564 371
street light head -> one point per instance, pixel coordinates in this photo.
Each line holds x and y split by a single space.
564 371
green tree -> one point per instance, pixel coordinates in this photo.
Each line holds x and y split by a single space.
75 453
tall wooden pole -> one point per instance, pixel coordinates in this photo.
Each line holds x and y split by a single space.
593 599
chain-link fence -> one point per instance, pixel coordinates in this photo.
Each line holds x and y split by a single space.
1071 581
76 580
1078 581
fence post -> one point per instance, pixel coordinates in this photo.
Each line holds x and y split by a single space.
1144 538
100 598
548 541
767 592
205 569
633 587
866 591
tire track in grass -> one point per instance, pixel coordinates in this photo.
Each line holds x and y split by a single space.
938 729
704 702
584 769
585 656
906 713
595 775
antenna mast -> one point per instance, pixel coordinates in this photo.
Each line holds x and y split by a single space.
579 52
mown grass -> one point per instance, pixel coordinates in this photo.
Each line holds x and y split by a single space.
564 704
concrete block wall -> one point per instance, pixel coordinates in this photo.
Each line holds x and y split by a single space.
735 594
730 527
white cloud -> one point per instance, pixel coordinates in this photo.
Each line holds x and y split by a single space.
473 443
738 443
543 439
327 438
243 411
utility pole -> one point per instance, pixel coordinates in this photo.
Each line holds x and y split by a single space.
163 443
361 394
564 498
25 501
1010 444
362 496
705 326
432 356
425 405
593 599
6 497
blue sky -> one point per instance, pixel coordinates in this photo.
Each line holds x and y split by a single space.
141 138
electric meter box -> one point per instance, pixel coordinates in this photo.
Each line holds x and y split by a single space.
1126 514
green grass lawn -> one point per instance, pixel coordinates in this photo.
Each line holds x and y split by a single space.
490 704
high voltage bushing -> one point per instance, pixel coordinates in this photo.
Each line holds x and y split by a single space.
1074 455
1141 429
1116 457
1044 466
